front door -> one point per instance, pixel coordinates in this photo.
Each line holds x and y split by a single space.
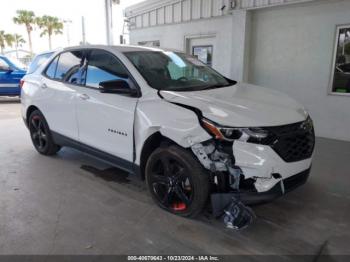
105 121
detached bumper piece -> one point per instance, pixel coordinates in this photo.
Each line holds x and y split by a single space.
238 216
221 201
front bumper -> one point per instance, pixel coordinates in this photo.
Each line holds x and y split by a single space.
221 200
289 184
265 165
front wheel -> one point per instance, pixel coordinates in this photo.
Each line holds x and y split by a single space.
41 135
177 181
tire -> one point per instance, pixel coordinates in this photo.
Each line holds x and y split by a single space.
41 135
182 187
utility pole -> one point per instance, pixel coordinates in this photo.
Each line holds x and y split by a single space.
67 23
109 22
83 30
109 19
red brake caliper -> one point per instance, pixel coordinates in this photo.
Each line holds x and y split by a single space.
179 206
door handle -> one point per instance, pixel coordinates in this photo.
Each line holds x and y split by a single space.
43 86
84 97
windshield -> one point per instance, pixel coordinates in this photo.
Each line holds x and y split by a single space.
176 71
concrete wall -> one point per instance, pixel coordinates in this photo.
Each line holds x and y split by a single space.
175 35
292 51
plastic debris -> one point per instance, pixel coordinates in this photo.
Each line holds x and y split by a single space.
238 216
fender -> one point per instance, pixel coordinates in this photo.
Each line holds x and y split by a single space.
177 123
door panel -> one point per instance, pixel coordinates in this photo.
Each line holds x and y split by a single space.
60 111
105 121
59 91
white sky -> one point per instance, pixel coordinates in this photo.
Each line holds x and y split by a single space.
92 10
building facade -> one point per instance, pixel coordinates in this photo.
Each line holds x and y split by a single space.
299 47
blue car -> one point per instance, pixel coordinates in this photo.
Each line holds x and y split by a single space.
10 76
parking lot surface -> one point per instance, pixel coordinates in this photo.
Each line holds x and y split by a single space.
74 204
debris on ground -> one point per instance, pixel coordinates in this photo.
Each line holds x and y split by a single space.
238 216
89 247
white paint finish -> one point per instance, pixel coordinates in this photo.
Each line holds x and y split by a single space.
101 112
196 9
168 14
242 105
160 16
177 12
206 8
56 101
186 10
153 18
183 125
88 115
292 51
262 161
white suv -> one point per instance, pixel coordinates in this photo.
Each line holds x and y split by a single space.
188 131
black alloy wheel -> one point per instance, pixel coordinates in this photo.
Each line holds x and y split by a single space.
41 134
177 181
38 133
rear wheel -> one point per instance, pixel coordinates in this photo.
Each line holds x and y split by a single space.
41 135
177 182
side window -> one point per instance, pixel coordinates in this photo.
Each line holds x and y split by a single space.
51 69
103 67
69 67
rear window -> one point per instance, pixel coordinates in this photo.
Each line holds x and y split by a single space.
69 67
38 61
51 70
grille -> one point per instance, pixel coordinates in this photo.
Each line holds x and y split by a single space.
293 142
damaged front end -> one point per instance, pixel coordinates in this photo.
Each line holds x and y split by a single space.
254 165
226 177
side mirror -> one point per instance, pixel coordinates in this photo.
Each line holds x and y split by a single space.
117 87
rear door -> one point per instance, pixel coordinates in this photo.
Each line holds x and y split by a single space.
58 94
106 120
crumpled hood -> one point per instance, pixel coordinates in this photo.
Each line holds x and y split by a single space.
242 105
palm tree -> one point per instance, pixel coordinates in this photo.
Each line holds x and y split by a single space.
26 18
18 39
5 39
2 41
50 25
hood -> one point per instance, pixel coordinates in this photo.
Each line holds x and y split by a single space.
242 105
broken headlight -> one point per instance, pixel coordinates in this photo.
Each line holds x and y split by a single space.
254 134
